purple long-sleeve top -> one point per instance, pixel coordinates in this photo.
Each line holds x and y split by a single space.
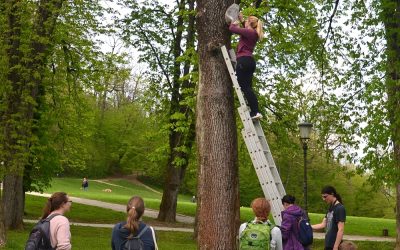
247 42
289 228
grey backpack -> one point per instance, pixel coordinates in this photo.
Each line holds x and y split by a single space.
134 242
39 238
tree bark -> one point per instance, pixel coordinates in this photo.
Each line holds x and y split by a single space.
218 197
391 19
3 232
178 139
13 200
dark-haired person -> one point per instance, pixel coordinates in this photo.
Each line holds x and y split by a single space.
289 227
133 227
60 235
334 219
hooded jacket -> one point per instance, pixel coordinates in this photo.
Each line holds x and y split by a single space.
120 234
289 228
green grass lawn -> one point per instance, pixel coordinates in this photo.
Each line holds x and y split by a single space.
87 238
120 195
78 213
354 225
363 225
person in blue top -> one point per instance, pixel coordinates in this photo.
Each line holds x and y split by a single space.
133 226
334 219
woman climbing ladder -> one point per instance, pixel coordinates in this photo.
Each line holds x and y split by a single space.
246 65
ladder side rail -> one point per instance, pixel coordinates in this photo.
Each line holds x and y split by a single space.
258 157
274 171
266 178
270 160
268 155
260 163
233 76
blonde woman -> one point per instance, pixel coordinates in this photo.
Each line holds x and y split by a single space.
246 65
133 227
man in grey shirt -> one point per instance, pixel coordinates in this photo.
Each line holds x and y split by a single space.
334 220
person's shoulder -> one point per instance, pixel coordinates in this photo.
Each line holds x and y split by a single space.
59 220
243 224
120 224
339 206
58 217
276 232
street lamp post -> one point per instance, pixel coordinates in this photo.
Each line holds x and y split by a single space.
305 130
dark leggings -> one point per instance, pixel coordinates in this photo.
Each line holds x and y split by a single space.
245 68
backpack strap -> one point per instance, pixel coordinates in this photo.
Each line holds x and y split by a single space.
142 232
50 217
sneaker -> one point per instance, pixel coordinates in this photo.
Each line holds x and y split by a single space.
257 116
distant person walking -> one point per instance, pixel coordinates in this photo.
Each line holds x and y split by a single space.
85 184
334 219
133 227
249 233
290 220
60 235
246 65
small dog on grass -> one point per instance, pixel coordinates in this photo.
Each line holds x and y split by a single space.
107 190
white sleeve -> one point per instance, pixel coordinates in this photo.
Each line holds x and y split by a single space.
241 228
276 236
154 238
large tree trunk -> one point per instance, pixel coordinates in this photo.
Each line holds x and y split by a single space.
398 216
391 19
178 139
3 233
218 199
13 201
14 152
25 77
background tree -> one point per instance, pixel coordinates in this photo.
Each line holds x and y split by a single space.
162 39
391 20
26 60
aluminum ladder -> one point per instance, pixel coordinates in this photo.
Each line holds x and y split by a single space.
259 151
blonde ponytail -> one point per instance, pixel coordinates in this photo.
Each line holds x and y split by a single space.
257 25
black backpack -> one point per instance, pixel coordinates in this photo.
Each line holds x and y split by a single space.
134 242
39 238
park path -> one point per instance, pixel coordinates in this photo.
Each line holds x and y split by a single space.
120 208
180 218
